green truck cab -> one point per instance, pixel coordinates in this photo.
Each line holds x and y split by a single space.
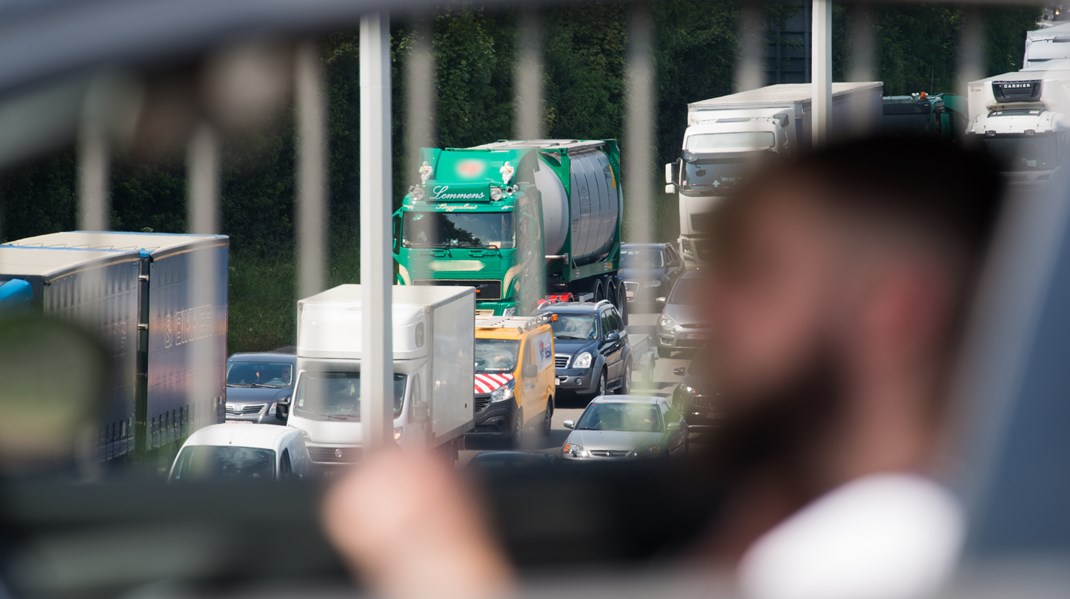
517 220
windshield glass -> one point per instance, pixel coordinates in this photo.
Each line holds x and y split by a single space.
260 374
574 326
458 229
742 139
628 417
201 462
496 355
686 291
1033 153
631 257
710 174
335 395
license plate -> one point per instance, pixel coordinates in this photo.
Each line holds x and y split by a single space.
696 335
629 294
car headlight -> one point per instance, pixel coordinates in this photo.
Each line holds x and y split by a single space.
666 322
509 311
397 433
571 450
495 193
648 451
582 361
504 392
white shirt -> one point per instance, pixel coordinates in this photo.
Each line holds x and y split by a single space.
885 536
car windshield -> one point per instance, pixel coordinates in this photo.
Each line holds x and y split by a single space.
620 416
260 374
686 291
496 355
641 258
458 229
575 326
210 462
335 395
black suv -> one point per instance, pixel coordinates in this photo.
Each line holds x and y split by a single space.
591 350
694 398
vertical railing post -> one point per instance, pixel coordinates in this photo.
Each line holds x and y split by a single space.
528 96
751 40
639 127
311 209
377 368
821 68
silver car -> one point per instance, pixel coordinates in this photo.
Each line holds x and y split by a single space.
625 426
681 325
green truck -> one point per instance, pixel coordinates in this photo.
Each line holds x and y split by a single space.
518 220
921 114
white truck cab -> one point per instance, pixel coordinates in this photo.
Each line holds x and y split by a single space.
433 366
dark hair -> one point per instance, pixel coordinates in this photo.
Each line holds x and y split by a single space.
947 190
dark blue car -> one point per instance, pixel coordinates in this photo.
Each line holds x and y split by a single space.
256 383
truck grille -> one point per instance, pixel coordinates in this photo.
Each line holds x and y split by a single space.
561 361
485 290
334 455
482 401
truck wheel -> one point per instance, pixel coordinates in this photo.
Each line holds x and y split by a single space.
599 294
548 417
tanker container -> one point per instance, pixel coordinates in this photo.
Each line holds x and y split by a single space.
517 220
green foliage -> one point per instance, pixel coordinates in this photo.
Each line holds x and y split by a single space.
584 47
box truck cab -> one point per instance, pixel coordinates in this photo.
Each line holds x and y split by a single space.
432 362
514 377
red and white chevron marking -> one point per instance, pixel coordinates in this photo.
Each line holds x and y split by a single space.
485 383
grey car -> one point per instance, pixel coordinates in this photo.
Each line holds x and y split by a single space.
256 383
625 426
681 325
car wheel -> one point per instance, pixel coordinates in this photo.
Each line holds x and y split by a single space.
664 352
602 382
626 383
548 417
517 439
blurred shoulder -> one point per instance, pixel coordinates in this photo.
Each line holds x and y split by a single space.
885 535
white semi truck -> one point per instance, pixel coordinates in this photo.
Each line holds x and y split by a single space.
725 134
1019 116
1046 45
434 362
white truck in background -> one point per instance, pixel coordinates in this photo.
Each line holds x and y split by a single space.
1046 45
1019 116
724 135
434 362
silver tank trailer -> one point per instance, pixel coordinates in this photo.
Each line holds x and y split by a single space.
592 211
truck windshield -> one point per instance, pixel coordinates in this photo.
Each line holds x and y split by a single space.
210 462
496 355
260 374
705 174
335 395
458 229
700 142
641 258
1021 153
574 326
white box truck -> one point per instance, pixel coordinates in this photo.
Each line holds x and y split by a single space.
98 291
1046 45
182 335
433 357
1019 116
725 134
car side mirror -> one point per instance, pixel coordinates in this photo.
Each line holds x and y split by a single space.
660 302
673 426
569 424
282 409
680 370
670 188
613 336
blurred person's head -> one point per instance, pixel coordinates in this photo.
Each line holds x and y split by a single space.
840 286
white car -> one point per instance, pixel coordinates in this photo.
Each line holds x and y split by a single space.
242 452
